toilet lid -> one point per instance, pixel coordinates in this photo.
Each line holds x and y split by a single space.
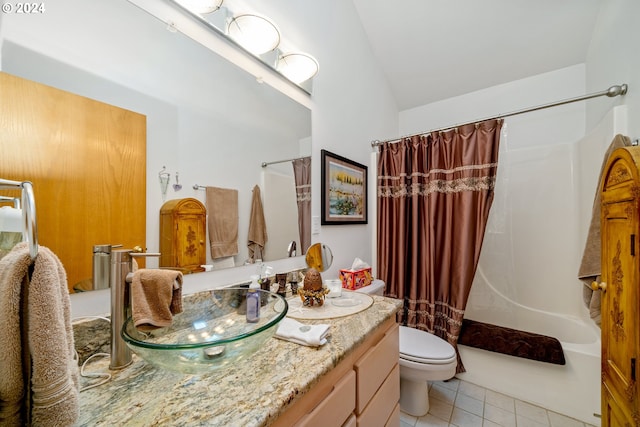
421 346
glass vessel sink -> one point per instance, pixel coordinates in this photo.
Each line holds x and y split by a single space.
211 333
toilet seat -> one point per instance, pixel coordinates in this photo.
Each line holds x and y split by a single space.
422 347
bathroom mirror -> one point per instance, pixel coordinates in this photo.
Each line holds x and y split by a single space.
319 256
207 119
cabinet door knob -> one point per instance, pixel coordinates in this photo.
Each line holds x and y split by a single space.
599 286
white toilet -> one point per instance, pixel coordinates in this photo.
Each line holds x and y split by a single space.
423 357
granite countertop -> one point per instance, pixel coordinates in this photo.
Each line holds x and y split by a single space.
254 393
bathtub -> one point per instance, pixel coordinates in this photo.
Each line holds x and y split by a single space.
527 271
572 389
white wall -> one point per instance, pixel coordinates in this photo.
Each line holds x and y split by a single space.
613 59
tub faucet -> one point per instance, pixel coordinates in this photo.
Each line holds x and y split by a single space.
121 275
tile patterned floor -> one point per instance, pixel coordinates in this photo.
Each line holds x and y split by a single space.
457 403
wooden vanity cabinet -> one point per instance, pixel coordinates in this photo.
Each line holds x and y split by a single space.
363 390
183 226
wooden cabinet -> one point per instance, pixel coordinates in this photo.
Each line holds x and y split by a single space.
378 381
362 390
620 308
183 226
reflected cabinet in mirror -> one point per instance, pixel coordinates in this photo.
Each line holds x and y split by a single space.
204 121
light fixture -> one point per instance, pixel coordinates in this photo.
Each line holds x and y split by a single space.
256 34
297 67
201 6
248 31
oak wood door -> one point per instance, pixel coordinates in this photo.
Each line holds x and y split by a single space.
620 282
87 162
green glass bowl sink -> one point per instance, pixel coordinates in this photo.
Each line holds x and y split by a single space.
211 333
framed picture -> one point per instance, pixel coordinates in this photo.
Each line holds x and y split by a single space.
344 190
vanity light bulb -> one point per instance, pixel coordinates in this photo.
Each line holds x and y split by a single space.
255 33
297 67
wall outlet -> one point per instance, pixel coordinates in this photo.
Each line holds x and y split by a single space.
315 225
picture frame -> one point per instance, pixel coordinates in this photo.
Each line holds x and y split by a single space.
344 190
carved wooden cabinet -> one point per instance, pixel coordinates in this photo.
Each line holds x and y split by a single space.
620 222
183 226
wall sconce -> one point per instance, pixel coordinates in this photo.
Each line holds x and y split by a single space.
297 67
201 6
255 33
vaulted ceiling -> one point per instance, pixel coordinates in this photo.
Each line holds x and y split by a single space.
436 49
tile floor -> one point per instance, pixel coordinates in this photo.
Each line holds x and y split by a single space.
457 403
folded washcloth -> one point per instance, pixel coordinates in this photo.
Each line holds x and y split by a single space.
299 333
156 295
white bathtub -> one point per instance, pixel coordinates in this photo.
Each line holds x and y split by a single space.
527 272
572 389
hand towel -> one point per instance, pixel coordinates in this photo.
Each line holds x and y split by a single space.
156 295
222 211
299 333
54 370
257 227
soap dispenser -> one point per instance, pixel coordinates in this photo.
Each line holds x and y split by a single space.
253 300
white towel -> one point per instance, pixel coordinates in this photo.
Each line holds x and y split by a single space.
299 333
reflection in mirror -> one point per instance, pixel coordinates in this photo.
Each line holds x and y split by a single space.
291 249
319 256
206 120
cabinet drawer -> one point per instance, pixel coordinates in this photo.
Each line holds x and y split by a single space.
351 422
336 407
374 366
383 403
394 418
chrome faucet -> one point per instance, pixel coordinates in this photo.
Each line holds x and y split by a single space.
121 275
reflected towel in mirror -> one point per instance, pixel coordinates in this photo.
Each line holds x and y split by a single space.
257 227
222 212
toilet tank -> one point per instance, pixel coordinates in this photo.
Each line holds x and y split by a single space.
375 288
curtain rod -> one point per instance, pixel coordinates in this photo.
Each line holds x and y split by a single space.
613 91
265 164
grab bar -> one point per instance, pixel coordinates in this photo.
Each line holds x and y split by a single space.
28 212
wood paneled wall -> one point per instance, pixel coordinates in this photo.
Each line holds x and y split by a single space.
87 162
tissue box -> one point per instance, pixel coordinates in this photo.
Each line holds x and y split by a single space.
356 279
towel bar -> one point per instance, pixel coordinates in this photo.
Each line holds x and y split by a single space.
28 212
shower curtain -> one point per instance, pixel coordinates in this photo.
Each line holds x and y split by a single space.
434 196
302 175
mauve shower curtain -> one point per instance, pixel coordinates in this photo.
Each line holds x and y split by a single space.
302 175
434 196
